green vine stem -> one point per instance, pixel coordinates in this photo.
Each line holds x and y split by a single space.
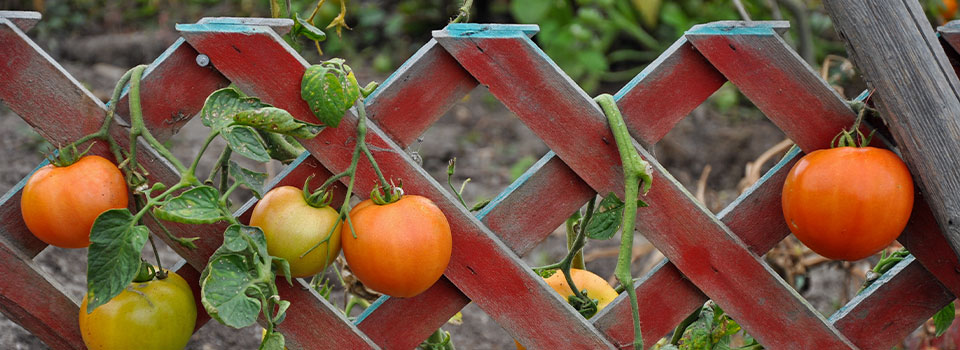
635 170
391 193
463 15
571 226
574 249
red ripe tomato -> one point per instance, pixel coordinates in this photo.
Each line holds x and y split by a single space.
848 203
401 248
60 204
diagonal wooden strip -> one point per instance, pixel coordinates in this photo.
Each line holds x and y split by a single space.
36 303
479 259
709 254
893 307
509 214
25 20
762 59
180 66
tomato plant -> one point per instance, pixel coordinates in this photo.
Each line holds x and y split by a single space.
60 203
292 226
159 314
596 287
401 248
848 203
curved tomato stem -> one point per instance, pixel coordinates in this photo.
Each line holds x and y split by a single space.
635 171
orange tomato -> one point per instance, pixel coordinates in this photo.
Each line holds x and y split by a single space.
848 203
400 248
60 204
596 286
949 9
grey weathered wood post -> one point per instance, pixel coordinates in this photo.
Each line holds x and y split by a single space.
895 48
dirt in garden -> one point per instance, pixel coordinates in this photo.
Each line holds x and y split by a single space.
492 148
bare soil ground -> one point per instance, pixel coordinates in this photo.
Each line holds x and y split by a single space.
492 148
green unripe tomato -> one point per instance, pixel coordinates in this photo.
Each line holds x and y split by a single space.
154 315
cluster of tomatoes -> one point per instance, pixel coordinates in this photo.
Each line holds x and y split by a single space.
399 248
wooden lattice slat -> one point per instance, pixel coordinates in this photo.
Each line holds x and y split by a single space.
719 254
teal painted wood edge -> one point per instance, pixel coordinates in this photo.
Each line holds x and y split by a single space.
23 182
791 154
739 28
407 65
477 30
950 27
369 310
221 27
860 297
515 185
653 66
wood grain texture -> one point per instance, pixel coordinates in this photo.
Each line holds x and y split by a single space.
893 307
37 304
776 79
709 254
916 94
666 91
479 259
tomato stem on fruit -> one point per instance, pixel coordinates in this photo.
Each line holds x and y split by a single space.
635 171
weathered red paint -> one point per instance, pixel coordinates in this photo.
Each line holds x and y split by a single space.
709 254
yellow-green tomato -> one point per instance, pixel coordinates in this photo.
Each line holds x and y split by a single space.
154 315
292 227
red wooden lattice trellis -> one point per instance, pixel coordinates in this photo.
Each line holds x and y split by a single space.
710 256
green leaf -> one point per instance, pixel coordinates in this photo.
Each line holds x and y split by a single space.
199 205
245 141
272 341
282 147
238 270
221 106
114 256
606 220
530 11
944 318
224 289
276 120
252 179
283 266
330 88
308 30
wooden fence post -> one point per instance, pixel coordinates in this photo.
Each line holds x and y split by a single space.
895 48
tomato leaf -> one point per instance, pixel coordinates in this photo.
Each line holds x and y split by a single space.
221 106
283 266
944 318
284 148
224 290
114 256
252 179
308 30
235 272
199 205
272 341
277 120
606 220
330 88
245 141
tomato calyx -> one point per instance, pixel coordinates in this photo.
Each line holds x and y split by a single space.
854 137
66 156
148 273
383 195
317 199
